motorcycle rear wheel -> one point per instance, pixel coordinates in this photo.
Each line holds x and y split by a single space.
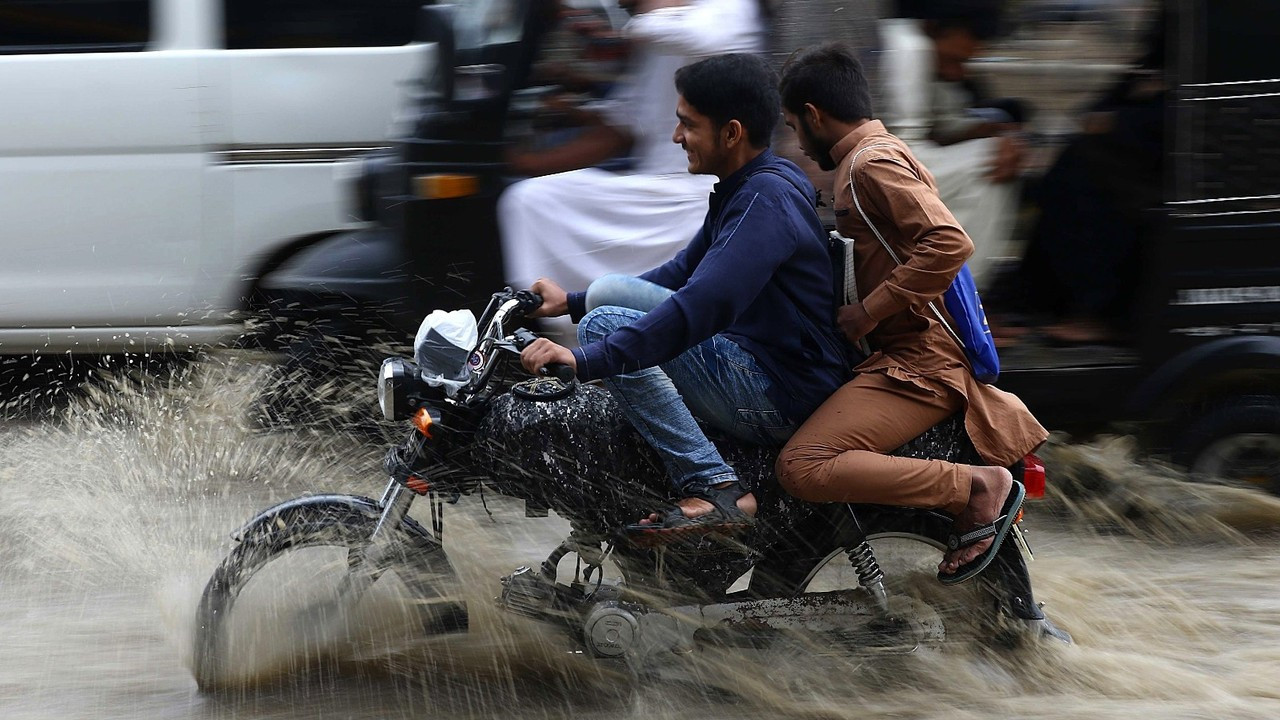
282 579
926 617
930 613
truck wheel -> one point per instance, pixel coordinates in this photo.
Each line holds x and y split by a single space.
1237 439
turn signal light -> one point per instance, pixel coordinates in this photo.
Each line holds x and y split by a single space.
1033 476
444 187
422 421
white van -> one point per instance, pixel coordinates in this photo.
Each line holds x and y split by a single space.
156 155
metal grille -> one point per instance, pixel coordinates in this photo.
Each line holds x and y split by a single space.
1229 145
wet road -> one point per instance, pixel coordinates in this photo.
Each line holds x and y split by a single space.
113 514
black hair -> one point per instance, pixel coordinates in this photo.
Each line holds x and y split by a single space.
734 87
830 77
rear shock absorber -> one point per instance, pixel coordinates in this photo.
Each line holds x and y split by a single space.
869 574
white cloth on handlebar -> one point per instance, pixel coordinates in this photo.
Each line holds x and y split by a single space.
443 346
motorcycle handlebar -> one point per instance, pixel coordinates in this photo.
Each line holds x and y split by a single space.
529 301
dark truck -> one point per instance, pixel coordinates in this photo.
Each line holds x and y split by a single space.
1199 379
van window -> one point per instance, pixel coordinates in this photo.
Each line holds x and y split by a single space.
40 26
319 23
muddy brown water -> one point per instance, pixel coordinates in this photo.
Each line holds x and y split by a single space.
113 514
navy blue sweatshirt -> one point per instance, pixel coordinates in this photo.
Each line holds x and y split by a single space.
757 272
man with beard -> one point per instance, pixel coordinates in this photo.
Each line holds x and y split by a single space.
917 374
737 329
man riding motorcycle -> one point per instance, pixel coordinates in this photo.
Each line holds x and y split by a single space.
737 329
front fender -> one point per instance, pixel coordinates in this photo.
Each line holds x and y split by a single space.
274 521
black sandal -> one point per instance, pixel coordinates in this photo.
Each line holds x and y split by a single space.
725 518
997 529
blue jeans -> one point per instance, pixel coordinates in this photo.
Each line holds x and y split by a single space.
716 381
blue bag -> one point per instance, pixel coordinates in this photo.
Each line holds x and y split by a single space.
961 299
971 329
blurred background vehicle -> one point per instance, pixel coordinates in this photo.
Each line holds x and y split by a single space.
169 166
1165 208
158 156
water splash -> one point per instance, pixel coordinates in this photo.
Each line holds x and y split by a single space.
113 513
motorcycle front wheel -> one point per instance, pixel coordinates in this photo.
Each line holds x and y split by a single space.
275 604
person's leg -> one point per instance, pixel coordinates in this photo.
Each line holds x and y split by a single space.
838 456
725 387
577 226
653 405
719 382
626 291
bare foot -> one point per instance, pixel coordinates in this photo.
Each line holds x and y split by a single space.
693 507
989 488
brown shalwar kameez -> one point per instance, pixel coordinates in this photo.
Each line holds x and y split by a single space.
918 374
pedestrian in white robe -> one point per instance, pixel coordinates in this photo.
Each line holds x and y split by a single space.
579 225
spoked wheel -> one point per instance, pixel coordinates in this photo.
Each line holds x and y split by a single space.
281 600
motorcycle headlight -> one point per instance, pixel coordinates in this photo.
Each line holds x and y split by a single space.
393 388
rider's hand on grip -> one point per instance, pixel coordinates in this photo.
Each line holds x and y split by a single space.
555 301
541 357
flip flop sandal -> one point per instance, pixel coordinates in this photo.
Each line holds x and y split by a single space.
725 518
998 528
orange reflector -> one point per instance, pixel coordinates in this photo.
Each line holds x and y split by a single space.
1018 519
443 187
1033 476
422 421
417 485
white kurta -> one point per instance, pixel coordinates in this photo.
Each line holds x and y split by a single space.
576 226
984 209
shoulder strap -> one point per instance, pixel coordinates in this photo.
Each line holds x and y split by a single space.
853 188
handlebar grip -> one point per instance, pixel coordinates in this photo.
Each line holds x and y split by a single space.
529 301
559 371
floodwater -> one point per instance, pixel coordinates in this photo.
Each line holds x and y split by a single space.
114 512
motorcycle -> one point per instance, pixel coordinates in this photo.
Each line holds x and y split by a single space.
564 446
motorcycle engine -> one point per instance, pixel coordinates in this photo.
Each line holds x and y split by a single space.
526 592
610 630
